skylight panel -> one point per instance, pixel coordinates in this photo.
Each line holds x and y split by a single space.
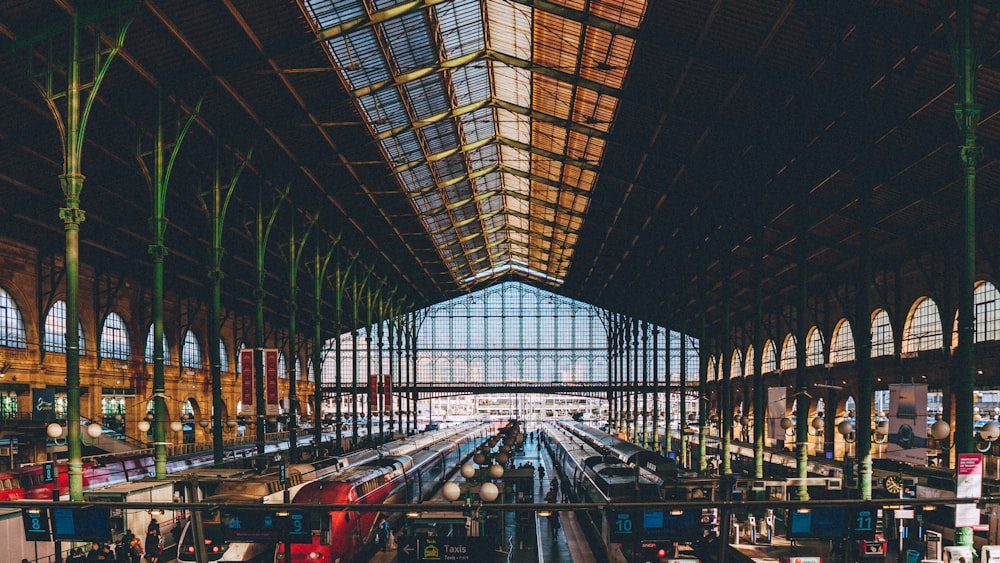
449 167
384 110
556 42
478 125
466 211
488 183
516 184
513 126
428 202
514 158
416 177
457 193
403 147
471 83
428 96
606 57
329 13
585 147
461 27
549 136
512 84
510 28
360 58
516 205
483 157
490 204
440 136
409 41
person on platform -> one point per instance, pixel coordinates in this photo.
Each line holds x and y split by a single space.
152 544
95 554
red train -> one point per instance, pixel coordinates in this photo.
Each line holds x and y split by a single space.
27 482
345 536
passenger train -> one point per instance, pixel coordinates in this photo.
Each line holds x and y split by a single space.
397 477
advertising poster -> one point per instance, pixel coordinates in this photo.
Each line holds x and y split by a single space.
387 393
776 398
43 404
373 392
246 382
271 382
907 423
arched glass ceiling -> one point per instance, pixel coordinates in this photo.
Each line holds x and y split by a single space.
492 114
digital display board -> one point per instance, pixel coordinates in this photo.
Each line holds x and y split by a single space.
817 523
657 525
265 525
81 524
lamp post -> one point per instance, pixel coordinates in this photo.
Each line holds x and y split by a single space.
846 429
941 431
817 430
989 434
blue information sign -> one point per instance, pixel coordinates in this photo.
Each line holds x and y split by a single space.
48 472
623 526
81 524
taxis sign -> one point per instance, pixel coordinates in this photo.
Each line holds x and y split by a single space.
469 548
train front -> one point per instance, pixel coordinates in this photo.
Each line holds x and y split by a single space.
336 536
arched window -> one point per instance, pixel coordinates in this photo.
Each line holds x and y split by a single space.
789 358
55 330
842 347
11 324
190 352
882 340
282 366
711 369
923 327
223 356
770 359
748 370
987 312
736 369
149 348
814 348
114 338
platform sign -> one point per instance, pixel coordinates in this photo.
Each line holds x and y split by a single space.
36 524
48 472
81 524
438 549
624 526
296 527
861 525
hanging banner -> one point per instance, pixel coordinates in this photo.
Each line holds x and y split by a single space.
776 411
271 382
907 423
387 393
373 392
246 383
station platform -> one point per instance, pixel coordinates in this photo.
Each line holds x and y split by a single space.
533 538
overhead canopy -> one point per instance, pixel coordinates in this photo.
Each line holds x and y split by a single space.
642 157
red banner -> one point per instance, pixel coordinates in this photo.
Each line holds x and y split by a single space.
271 382
247 374
387 393
372 393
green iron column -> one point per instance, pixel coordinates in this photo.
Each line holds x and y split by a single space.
702 399
296 248
759 390
863 349
72 123
216 210
645 386
682 390
967 113
158 178
656 398
726 416
320 263
802 399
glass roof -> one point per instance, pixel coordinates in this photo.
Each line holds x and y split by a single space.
492 114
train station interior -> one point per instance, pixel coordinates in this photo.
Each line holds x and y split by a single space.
757 239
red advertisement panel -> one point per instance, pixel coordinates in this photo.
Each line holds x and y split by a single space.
373 392
271 382
246 383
